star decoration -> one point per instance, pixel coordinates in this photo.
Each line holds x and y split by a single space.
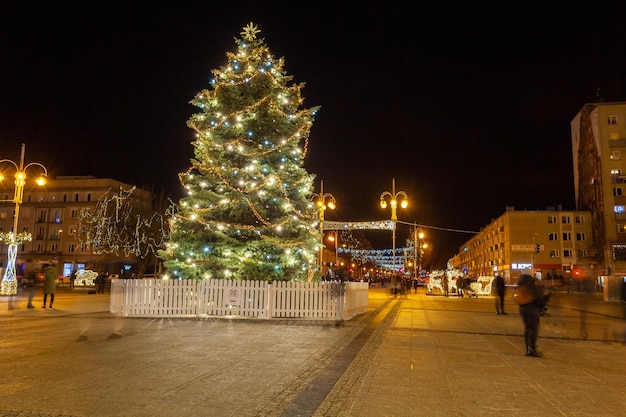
250 31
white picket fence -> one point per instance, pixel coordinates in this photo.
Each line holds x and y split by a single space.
327 300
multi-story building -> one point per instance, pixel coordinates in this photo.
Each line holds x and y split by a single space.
599 154
51 215
553 242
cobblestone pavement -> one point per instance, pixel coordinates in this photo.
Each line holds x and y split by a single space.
423 355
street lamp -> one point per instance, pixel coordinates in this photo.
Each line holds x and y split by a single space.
9 280
418 236
393 202
322 202
334 237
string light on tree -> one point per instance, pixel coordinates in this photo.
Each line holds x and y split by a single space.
246 214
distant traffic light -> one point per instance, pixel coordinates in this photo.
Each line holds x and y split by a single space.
577 273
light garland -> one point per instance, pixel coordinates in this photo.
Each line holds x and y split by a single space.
246 201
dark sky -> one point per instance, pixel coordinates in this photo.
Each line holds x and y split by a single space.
467 106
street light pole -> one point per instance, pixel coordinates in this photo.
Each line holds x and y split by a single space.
322 202
13 238
393 197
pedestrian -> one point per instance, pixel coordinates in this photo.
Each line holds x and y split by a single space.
460 282
500 287
72 279
49 284
526 296
100 280
415 283
444 281
30 282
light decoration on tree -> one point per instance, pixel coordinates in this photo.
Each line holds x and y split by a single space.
246 213
120 223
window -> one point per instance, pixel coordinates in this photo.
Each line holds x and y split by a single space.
88 196
566 220
621 229
551 219
70 248
567 253
580 236
567 236
619 252
615 155
580 219
612 119
73 213
76 197
553 236
582 253
618 191
554 253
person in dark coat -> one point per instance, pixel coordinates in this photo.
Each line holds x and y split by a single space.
529 313
498 283
49 284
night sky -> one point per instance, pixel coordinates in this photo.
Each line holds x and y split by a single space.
467 106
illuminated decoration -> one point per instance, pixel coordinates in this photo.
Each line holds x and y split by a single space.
372 225
246 213
14 239
85 278
121 224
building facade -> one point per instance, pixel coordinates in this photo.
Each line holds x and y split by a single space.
551 242
51 215
599 154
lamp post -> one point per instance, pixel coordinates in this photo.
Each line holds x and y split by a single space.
335 238
418 236
394 197
9 280
322 202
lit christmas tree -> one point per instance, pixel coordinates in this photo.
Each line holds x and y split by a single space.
246 214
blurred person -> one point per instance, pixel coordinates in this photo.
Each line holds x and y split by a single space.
444 282
500 288
49 284
30 282
528 300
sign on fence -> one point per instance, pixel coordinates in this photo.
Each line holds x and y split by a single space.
232 297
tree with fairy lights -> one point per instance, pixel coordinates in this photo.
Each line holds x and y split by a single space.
246 214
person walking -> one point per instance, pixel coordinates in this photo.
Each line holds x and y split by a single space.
500 288
526 296
30 283
49 284
444 281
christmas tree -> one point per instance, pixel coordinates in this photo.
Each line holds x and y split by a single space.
246 214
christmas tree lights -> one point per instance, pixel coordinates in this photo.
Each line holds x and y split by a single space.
246 213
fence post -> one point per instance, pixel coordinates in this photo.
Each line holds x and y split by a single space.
341 291
269 313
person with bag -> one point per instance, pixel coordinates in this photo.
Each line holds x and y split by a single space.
527 297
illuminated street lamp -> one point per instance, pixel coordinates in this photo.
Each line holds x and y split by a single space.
334 237
322 202
394 197
12 238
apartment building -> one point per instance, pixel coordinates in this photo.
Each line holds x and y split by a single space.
51 214
553 242
599 154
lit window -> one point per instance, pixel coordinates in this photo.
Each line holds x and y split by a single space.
612 119
618 209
